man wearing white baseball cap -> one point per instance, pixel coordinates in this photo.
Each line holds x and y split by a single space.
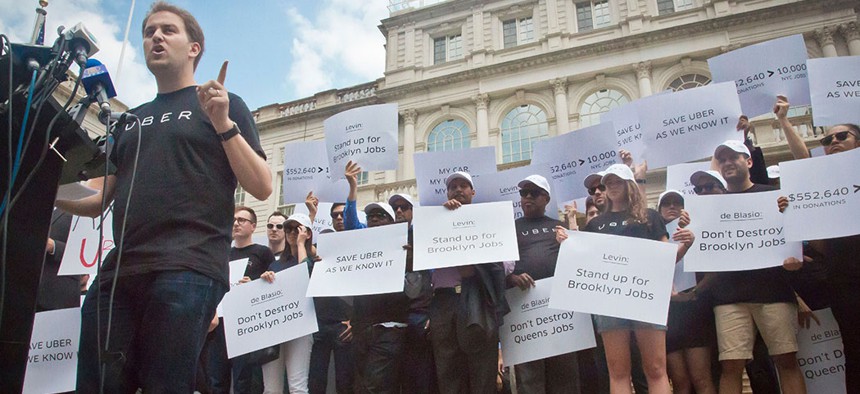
402 205
756 299
708 182
538 255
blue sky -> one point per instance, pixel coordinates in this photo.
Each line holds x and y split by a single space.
279 50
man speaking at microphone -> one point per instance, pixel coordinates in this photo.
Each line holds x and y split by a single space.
195 143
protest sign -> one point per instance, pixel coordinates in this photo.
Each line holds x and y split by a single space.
571 157
737 232
532 331
236 273
360 262
817 151
366 135
617 276
306 169
820 355
687 125
431 169
82 247
763 71
834 85
471 234
259 314
323 219
502 186
681 280
821 207
678 176
52 362
74 191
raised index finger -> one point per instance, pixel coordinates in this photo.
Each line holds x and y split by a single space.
222 75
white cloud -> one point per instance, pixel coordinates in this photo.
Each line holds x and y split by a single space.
134 86
342 44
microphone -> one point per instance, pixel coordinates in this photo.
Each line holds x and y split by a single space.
82 42
116 118
97 83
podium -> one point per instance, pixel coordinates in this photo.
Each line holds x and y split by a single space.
29 218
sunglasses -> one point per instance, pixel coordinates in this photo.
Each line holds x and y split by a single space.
271 226
592 190
291 229
377 215
401 207
534 193
241 220
335 215
705 187
840 136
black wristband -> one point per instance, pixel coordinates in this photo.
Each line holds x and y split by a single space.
225 136
640 181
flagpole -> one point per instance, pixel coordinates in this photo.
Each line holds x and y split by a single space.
124 41
38 37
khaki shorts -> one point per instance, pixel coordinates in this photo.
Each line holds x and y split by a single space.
737 323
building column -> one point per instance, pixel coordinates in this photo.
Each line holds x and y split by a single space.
409 117
824 36
643 74
562 118
852 36
482 101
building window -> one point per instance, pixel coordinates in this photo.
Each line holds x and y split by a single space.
592 14
517 32
451 134
520 129
669 6
447 48
239 195
689 81
598 103
286 209
362 178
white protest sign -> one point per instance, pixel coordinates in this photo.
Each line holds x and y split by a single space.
820 355
764 70
687 125
366 135
737 232
360 262
533 331
678 176
236 273
502 186
834 85
817 151
609 275
306 169
322 220
82 246
431 169
74 191
260 314
471 234
681 280
571 157
52 363
822 207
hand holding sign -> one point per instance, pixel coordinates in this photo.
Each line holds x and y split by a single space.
215 101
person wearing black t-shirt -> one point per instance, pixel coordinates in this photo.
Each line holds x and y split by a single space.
195 143
538 254
756 299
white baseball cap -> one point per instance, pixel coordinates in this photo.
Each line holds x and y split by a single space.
300 218
666 193
735 145
773 171
694 179
459 175
537 180
401 197
619 170
593 180
380 205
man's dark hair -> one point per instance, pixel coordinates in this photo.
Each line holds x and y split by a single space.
246 209
277 213
192 28
335 205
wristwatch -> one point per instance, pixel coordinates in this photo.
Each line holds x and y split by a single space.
225 136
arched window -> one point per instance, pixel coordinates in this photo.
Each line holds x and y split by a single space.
520 128
689 81
598 103
451 134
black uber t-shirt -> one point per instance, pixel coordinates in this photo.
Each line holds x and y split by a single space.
620 223
181 209
259 258
767 285
537 245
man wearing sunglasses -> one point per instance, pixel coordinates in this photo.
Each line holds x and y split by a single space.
275 233
841 254
538 253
